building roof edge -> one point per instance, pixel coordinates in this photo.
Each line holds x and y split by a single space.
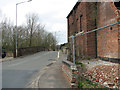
76 5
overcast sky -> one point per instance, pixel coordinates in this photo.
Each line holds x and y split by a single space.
52 13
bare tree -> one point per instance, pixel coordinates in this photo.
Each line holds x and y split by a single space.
32 22
7 34
32 33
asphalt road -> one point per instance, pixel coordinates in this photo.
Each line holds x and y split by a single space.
19 72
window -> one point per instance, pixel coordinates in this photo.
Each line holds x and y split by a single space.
117 4
72 23
77 19
81 23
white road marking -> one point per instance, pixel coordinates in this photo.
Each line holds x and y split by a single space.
58 54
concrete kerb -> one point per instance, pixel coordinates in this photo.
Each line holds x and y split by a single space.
35 82
12 58
6 59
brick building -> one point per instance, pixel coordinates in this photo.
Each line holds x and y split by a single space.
86 16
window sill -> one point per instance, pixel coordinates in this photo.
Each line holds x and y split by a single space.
80 32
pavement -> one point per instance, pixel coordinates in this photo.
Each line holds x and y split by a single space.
53 77
5 59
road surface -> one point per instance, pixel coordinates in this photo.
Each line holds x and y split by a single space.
19 72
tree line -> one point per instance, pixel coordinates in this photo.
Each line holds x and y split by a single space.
31 34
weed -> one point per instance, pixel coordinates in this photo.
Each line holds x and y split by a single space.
79 63
85 83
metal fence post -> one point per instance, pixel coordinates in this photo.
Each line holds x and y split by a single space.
73 41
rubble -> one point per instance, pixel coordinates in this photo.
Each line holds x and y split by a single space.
106 75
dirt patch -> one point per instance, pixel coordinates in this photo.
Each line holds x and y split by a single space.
93 63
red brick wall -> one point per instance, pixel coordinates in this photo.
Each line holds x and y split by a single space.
81 46
91 25
119 38
107 38
85 45
103 43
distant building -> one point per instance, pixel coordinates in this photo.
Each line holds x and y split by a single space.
86 16
64 48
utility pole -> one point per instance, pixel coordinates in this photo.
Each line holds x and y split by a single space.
16 24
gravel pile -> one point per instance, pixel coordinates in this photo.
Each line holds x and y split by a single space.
106 75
